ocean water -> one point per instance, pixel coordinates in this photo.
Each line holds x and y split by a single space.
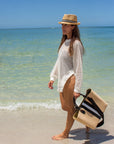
27 57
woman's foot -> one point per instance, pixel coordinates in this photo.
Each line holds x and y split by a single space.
60 136
87 129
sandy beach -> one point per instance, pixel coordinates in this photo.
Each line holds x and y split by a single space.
38 126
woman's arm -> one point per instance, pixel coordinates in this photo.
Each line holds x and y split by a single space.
77 66
54 72
53 75
50 84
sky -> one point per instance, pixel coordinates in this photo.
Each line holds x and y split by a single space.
47 13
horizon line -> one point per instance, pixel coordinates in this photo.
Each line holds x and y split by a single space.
51 27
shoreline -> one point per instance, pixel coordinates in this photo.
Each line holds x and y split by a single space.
46 105
38 126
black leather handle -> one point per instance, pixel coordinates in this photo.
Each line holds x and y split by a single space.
74 101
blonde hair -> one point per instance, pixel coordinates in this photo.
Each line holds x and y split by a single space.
75 35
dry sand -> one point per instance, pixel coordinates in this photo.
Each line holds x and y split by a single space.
38 126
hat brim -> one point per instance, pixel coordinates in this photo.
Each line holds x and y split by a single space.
69 23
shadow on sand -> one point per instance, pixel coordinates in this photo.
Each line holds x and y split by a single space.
96 136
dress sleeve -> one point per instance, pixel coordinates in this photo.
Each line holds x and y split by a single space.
77 65
54 72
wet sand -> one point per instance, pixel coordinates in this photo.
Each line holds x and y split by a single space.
38 126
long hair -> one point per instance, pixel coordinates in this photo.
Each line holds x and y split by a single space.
75 35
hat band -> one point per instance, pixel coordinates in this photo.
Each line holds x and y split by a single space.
70 21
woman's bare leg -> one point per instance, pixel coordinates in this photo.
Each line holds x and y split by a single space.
87 129
66 99
69 123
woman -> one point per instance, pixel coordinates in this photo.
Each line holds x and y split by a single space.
68 69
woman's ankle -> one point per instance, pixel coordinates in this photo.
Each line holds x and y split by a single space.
87 129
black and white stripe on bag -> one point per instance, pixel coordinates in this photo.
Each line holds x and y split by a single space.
90 108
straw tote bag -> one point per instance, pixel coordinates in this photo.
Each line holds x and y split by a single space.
91 110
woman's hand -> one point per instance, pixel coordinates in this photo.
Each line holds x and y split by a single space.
50 84
76 95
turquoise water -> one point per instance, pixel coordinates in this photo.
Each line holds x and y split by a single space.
28 55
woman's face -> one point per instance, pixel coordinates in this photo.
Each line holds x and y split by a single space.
67 29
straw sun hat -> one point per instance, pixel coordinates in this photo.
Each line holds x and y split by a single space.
69 19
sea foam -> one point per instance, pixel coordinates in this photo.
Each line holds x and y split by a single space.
24 106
